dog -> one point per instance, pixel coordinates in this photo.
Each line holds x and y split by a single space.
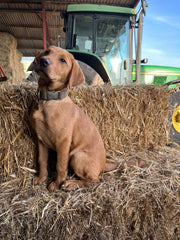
62 126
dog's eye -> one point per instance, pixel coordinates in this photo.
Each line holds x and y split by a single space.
62 60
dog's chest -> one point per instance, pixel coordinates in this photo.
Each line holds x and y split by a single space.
45 127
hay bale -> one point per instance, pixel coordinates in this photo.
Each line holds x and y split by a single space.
128 118
133 203
10 58
15 130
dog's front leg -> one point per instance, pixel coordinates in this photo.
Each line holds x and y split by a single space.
43 162
61 166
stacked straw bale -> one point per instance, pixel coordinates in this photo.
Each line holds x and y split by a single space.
128 118
134 203
10 58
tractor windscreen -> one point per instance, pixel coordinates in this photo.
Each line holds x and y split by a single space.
107 36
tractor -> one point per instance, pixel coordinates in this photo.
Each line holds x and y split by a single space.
106 40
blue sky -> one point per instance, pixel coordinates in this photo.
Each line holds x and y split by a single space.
161 35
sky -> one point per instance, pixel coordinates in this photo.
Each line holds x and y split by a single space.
161 33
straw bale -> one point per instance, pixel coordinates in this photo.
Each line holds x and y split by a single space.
15 129
10 58
130 203
128 118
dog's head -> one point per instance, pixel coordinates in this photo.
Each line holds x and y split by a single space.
58 69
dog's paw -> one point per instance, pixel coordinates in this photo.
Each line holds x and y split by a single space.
53 186
39 180
141 163
70 185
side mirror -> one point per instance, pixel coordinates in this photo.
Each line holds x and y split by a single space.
145 60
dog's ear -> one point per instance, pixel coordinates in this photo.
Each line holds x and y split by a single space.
76 76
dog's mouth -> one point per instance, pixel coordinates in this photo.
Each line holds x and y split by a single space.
42 73
44 79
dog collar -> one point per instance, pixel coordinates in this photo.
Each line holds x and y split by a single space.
52 95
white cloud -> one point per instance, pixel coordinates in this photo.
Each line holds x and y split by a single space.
153 50
159 57
170 21
160 19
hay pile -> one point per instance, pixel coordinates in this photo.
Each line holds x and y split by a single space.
10 58
134 203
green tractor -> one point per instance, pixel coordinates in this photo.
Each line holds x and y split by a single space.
103 39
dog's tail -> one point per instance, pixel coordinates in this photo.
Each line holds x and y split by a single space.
110 166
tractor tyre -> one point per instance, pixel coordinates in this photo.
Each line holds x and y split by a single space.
175 117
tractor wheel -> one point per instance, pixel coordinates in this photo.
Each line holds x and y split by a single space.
175 117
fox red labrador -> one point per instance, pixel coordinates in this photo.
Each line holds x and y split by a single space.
63 127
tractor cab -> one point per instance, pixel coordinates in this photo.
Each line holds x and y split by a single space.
101 37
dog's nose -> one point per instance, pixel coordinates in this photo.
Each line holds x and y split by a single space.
44 62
